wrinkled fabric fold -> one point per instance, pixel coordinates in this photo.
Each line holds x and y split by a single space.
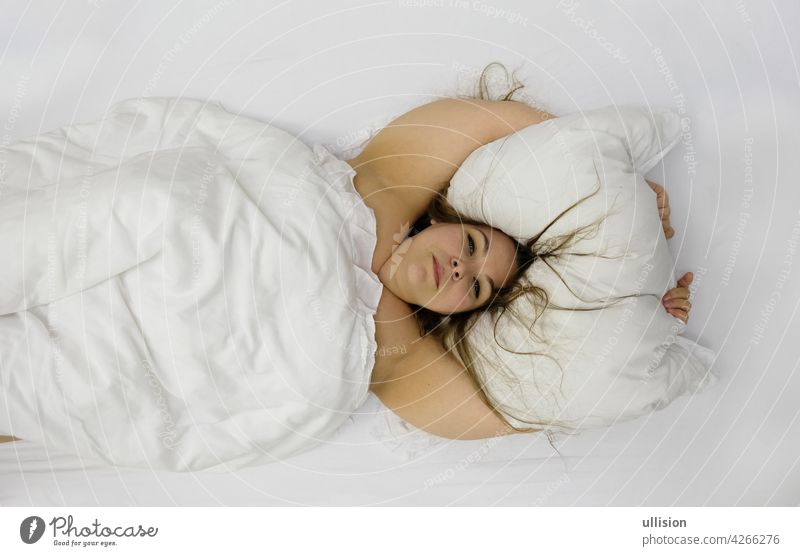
207 301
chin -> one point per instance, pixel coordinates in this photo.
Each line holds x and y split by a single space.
391 285
438 311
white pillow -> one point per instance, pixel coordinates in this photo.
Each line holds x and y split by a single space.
603 364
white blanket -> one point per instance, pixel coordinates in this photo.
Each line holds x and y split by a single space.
182 288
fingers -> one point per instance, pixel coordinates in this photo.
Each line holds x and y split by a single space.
662 201
654 186
681 314
664 211
668 230
662 197
676 293
682 304
676 301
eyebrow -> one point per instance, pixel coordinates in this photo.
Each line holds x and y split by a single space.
486 252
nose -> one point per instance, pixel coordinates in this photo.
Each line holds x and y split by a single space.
457 268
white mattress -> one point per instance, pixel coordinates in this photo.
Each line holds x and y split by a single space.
329 72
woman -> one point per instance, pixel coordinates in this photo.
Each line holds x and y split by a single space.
450 270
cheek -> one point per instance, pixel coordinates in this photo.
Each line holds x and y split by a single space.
416 274
458 296
416 262
443 239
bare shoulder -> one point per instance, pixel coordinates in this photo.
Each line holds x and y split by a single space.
431 389
418 153
426 145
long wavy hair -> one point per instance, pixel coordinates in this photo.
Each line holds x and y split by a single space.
453 330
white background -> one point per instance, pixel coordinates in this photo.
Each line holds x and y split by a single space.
326 71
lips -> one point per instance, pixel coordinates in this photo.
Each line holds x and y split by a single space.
436 271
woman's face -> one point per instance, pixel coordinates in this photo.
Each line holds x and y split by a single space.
450 268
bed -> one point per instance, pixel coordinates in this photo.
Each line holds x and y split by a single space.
333 73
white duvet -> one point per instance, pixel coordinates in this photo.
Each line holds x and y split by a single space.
182 288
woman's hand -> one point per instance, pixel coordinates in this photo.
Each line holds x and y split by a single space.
676 301
662 199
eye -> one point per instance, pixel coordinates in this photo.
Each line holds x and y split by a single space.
477 289
471 244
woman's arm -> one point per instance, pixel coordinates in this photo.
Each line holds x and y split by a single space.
430 389
417 154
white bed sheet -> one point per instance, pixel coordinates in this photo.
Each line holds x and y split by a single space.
328 72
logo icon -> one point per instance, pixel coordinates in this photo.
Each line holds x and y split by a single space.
399 248
31 529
